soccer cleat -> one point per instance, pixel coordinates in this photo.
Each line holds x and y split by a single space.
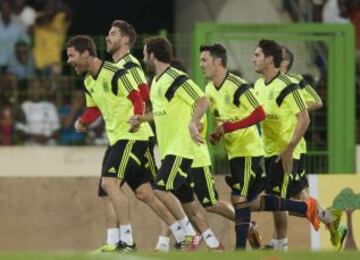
312 213
342 234
125 248
334 226
219 248
268 247
193 242
181 246
107 248
253 236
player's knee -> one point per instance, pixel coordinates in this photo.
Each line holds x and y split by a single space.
145 195
302 195
108 184
211 207
239 201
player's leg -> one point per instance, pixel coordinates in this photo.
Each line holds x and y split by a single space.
270 202
170 177
242 176
113 173
163 244
279 185
204 188
111 220
331 218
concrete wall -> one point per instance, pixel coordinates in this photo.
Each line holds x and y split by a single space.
43 209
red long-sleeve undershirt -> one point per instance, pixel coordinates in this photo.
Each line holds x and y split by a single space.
136 98
255 117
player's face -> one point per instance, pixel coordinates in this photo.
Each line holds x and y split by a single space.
259 61
113 40
78 60
207 64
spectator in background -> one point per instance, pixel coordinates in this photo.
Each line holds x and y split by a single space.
11 31
25 14
332 11
6 124
21 67
8 89
69 112
49 36
40 117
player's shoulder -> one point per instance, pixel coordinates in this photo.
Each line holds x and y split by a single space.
109 66
295 76
235 79
175 73
131 62
285 81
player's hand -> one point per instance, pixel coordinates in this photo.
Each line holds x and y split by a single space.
79 126
134 123
215 137
286 158
195 129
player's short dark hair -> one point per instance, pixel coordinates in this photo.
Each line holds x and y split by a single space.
82 43
216 51
271 48
177 64
126 29
160 47
289 56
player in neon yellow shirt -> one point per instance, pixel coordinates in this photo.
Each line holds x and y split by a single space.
112 91
299 185
119 41
173 95
237 110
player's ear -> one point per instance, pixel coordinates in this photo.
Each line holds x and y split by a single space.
126 39
269 59
85 54
217 61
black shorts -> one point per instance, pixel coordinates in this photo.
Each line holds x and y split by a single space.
130 161
204 186
184 193
302 173
279 183
174 172
248 177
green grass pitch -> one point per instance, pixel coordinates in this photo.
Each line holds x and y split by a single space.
249 255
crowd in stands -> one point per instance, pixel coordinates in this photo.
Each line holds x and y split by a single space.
37 104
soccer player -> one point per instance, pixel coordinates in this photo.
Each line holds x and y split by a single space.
237 110
300 183
119 41
111 90
203 184
173 95
286 122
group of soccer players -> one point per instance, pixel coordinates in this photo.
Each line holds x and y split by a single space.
265 121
